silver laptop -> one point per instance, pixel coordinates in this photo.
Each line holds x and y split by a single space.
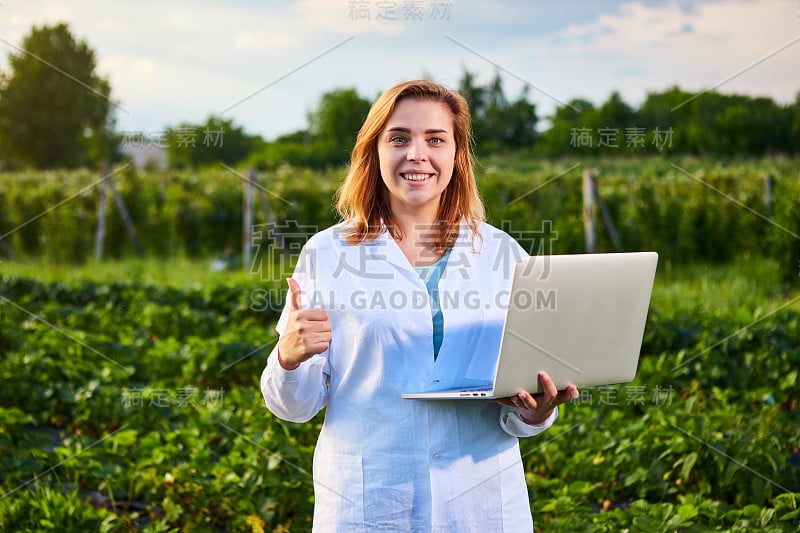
580 318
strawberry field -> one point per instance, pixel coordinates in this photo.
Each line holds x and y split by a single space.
129 406
129 396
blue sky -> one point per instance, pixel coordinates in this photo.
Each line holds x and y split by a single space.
176 61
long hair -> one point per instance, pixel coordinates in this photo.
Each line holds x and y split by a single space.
363 199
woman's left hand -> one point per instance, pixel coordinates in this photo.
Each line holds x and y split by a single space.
534 409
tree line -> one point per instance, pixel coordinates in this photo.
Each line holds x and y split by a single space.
52 120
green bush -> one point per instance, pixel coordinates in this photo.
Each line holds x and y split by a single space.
696 210
141 411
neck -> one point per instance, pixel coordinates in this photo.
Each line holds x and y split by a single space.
415 221
419 238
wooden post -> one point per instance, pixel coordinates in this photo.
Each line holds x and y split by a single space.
247 219
631 185
588 210
262 198
769 181
607 220
126 217
269 216
267 210
6 249
100 232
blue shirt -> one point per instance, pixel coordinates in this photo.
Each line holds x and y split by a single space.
430 274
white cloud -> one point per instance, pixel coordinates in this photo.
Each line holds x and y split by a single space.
263 41
182 60
724 38
138 64
356 18
56 12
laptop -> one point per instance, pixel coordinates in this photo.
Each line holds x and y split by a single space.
580 318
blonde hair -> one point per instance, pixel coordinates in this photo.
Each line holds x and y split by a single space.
363 199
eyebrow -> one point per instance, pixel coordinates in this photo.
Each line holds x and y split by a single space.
406 130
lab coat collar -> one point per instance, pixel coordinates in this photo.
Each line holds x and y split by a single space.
386 245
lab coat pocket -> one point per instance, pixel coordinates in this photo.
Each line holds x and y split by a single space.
389 496
338 492
477 504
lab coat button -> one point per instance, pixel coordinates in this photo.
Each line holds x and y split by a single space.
436 456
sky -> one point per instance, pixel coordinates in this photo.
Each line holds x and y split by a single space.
265 64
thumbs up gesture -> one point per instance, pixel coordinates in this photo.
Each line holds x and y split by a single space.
307 333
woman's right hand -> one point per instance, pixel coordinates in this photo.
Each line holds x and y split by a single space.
307 332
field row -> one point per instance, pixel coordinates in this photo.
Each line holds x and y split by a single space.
135 407
687 210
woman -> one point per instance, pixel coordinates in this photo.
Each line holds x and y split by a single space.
402 296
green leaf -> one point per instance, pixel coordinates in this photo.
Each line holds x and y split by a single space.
125 438
687 512
688 461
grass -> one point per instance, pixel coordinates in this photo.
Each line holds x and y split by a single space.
178 272
667 481
744 287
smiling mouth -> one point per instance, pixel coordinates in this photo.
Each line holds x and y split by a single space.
416 177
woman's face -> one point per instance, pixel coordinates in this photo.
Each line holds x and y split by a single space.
416 150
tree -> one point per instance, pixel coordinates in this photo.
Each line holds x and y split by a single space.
54 108
335 124
615 113
668 109
472 93
215 141
572 129
519 126
498 125
329 139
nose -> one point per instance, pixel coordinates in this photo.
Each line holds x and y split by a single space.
416 150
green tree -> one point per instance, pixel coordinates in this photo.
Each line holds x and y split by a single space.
215 141
665 110
473 94
54 108
519 126
327 142
614 118
489 118
497 124
333 126
570 125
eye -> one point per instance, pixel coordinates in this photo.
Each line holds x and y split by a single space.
436 140
397 139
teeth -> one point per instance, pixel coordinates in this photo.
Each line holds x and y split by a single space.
416 177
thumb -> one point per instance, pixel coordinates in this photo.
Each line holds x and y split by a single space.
295 300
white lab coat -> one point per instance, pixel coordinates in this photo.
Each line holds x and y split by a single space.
384 463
